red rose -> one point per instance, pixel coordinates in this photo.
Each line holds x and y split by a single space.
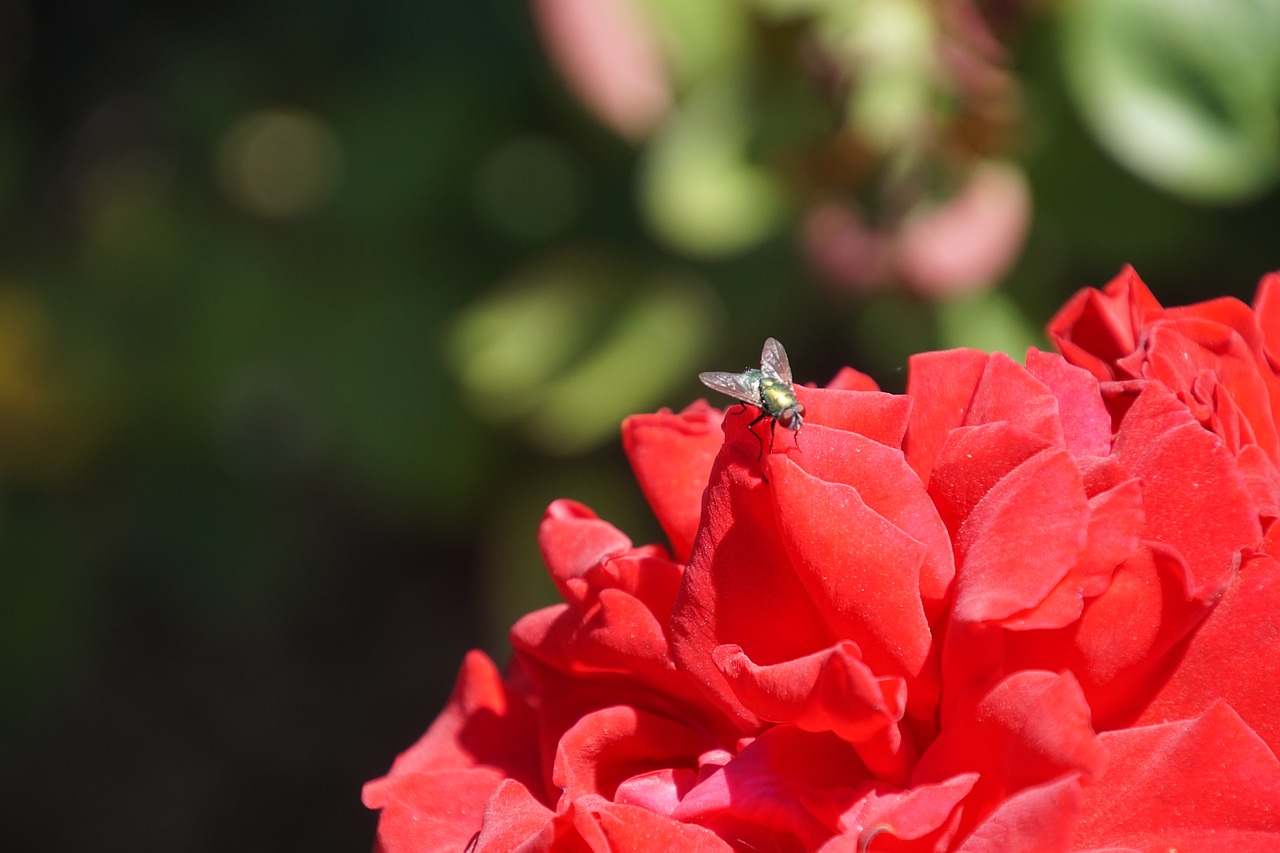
1022 607
1215 363
1218 358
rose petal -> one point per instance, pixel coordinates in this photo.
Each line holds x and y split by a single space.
1095 329
1125 639
862 572
485 723
1234 656
941 387
1262 480
1040 818
619 635
1008 392
1086 424
1030 729
1192 494
672 457
1183 354
889 489
434 810
606 747
1115 522
848 379
573 539
739 586
1266 305
1207 783
829 691
971 463
512 817
622 827
878 416
659 791
786 785
926 813
1222 311
1038 508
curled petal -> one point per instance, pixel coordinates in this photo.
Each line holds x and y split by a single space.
1095 329
605 748
739 586
574 539
618 634
1213 369
660 791
433 795
486 722
1115 522
435 810
786 787
972 462
885 495
829 691
1262 480
616 826
926 814
588 823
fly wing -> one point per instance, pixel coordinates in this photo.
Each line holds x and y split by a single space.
739 386
773 361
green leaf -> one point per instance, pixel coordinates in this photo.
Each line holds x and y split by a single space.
1183 93
700 191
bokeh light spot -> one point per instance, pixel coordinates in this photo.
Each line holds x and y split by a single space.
280 163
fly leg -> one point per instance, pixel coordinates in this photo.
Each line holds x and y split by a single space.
752 426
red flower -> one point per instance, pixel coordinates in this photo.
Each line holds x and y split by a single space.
1022 607
1218 358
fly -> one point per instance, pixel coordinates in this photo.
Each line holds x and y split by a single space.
768 389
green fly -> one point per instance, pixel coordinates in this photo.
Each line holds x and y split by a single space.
768 389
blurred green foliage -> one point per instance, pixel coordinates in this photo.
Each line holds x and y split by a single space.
308 309
1185 94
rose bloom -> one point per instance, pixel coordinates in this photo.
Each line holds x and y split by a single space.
1022 607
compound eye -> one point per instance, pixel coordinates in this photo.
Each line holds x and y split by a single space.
787 417
798 408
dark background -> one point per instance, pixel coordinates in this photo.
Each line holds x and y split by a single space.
250 519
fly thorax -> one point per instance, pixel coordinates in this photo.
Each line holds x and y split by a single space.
776 396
